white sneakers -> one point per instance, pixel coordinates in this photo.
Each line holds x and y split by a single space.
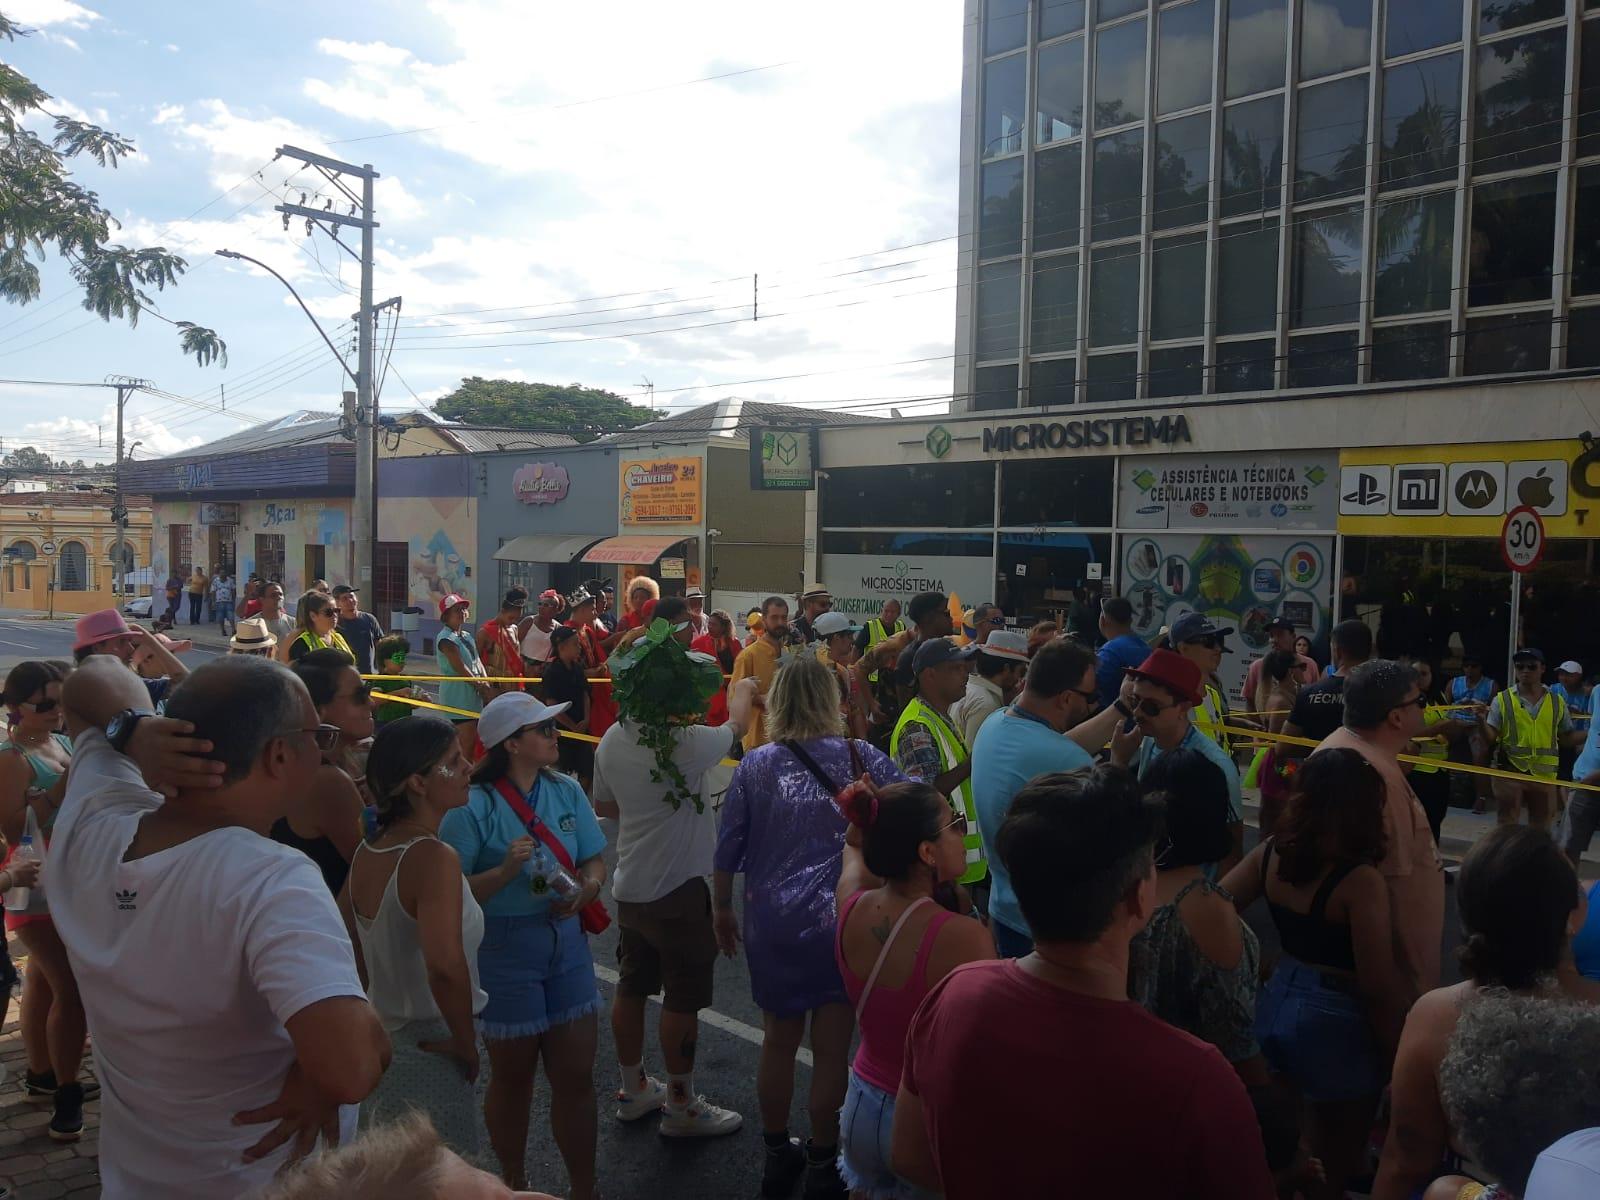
699 1118
642 1103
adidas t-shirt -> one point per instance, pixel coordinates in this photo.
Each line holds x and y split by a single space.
189 961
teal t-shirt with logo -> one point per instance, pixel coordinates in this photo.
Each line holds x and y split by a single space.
481 830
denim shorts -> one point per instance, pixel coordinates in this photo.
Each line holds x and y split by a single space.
1009 942
1315 1032
537 972
866 1124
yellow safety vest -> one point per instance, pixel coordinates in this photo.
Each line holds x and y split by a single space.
877 633
1436 749
1531 744
952 753
1212 726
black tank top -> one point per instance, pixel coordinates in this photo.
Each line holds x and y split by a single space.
319 850
1310 936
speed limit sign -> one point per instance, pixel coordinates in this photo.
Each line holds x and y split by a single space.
1522 539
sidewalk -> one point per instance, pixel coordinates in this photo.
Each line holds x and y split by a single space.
38 1168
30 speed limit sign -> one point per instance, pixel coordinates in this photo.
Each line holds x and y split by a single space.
1522 539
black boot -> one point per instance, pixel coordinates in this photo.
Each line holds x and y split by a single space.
783 1165
67 1124
823 1181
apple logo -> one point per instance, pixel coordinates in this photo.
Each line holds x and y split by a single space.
1536 491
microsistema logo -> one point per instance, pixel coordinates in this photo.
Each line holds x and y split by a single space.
937 441
125 901
1144 479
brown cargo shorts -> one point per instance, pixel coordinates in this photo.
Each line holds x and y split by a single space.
668 945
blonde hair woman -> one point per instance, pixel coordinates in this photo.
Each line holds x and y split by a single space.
780 828
316 620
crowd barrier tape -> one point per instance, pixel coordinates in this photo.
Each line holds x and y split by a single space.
470 678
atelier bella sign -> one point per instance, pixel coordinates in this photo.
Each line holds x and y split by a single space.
1088 434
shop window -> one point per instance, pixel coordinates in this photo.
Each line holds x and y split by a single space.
223 549
1331 139
1421 122
1176 371
950 495
994 387
1177 283
1252 156
1586 233
1508 343
1257 44
999 309
1415 242
1335 35
1006 27
316 564
1247 277
1513 240
180 550
1000 221
1114 296
1183 56
270 562
1057 197
1052 381
1058 112
1517 112
1058 17
1004 110
1182 171
1119 75
976 544
391 580
1497 16
1041 576
73 573
1322 360
1326 284
1057 491
1589 90
1246 366
1111 378
1054 317
1412 25
21 551
1402 352
1110 10
1118 185
1583 337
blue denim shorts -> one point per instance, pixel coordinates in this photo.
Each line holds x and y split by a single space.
537 973
1317 1034
866 1124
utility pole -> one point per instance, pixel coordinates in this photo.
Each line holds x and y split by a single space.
126 386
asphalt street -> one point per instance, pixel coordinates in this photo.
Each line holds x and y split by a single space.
634 1161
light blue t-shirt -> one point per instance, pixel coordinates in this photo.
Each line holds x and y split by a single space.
1008 753
1196 740
481 830
1589 756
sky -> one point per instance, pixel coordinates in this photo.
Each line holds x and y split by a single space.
718 199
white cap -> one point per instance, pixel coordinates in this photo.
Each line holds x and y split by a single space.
1568 1170
830 623
1006 643
1571 667
505 715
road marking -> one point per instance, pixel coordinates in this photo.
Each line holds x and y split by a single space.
714 1019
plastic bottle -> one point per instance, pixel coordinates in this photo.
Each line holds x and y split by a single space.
548 876
17 898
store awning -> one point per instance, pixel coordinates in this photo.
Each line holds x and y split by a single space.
546 547
632 550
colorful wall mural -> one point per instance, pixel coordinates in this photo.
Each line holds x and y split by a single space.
440 533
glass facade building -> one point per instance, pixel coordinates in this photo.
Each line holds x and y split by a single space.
1201 197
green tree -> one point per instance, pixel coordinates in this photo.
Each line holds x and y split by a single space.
42 206
584 412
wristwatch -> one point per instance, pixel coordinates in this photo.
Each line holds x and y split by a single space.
1122 708
119 730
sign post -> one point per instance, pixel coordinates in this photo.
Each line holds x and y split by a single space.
1522 544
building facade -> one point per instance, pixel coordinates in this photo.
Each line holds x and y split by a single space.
58 550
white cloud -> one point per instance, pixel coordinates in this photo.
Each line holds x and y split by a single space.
39 14
172 48
167 113
377 53
80 438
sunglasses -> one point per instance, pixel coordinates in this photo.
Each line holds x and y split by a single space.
1419 700
1091 698
1152 708
544 728
959 822
399 659
327 612
1528 666
1210 643
362 694
40 706
325 736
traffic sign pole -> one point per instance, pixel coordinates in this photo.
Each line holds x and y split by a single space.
1522 539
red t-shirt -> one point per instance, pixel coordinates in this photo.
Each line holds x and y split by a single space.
1031 1090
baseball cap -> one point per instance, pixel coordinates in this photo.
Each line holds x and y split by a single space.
1567 1169
453 600
694 593
93 628
1280 623
1193 626
343 589
1571 667
551 596
506 714
830 623
1172 671
753 621
1006 643
935 652
1528 654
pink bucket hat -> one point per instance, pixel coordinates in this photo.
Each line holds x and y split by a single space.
93 628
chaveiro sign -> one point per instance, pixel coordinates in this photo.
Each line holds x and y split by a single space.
1088 434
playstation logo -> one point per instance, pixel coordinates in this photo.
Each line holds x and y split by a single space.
1364 490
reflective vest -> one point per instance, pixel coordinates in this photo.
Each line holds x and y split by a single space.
1435 748
1531 744
952 753
1211 725
877 633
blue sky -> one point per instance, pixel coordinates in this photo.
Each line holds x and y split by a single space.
570 193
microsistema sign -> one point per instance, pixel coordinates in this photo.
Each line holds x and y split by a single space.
1088 434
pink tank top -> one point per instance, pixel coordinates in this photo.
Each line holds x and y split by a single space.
889 1010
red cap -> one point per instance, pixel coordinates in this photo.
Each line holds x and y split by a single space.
453 600
1172 671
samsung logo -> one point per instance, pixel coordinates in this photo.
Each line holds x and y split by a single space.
1087 435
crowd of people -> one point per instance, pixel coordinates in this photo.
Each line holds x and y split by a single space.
292 908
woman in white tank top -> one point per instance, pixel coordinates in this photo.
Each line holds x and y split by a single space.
416 927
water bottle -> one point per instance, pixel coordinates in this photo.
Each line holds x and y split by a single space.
17 898
549 877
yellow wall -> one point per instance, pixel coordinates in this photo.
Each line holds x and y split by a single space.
40 521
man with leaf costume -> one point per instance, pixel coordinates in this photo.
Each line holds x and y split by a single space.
648 776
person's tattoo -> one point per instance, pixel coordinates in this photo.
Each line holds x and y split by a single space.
686 1047
881 932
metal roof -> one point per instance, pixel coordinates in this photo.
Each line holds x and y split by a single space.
727 418
302 428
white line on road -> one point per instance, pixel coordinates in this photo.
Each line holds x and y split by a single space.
715 1019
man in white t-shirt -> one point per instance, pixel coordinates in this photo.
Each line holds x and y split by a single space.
666 839
215 970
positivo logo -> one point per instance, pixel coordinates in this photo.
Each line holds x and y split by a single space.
937 441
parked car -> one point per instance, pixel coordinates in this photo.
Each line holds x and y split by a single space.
139 606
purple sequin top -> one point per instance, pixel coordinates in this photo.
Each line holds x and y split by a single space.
780 828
